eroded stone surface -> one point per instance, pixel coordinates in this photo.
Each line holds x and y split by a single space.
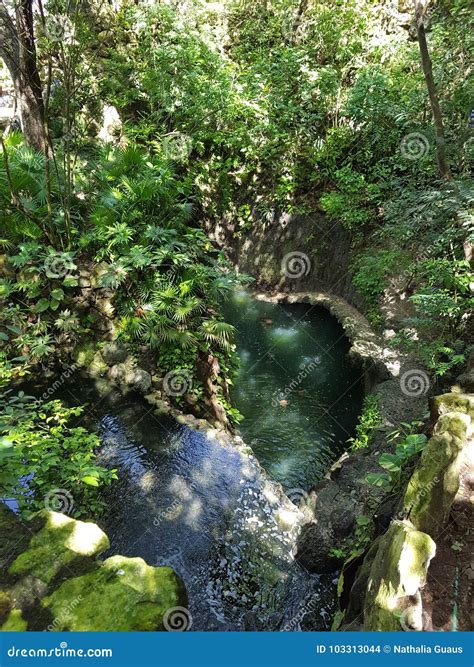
122 594
435 482
397 574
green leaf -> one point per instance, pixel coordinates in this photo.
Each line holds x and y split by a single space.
390 462
41 306
90 481
70 281
378 479
57 294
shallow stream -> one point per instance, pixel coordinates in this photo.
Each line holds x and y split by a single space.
206 509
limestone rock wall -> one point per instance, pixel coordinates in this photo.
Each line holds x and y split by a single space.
388 591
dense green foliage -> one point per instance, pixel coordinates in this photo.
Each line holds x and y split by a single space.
369 420
229 112
45 459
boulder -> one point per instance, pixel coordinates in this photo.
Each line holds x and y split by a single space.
138 380
336 514
453 402
15 622
56 582
114 353
122 594
61 541
397 573
435 481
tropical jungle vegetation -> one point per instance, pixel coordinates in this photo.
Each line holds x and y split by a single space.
141 126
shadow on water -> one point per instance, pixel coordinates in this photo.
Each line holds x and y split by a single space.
203 508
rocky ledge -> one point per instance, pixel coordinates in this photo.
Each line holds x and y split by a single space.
54 581
395 588
400 386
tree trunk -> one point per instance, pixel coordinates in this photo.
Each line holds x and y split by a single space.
302 7
443 165
17 48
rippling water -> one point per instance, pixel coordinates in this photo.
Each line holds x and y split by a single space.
207 510
298 393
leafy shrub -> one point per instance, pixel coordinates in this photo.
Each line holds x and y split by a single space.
369 420
394 464
44 455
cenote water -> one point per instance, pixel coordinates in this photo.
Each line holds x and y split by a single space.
205 509
299 395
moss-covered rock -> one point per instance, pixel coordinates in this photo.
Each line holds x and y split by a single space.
434 484
61 541
114 353
453 402
122 594
85 352
15 537
397 573
15 622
